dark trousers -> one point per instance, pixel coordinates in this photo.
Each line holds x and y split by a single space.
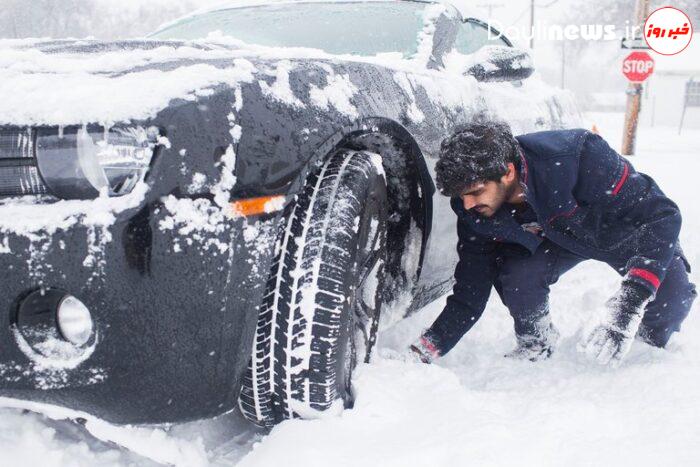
523 285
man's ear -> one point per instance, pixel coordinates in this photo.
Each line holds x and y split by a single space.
510 175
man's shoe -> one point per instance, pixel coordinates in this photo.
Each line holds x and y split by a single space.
536 348
532 352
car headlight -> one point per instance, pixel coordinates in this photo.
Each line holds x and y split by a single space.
84 162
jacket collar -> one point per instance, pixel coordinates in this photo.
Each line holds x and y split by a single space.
500 227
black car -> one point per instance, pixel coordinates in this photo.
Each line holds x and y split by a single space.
216 215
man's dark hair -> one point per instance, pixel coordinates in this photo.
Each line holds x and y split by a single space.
476 153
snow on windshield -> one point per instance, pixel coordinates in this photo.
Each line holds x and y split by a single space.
342 28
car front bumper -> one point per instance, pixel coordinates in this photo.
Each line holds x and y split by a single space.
174 311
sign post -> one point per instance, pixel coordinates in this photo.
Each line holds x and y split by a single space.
636 67
634 89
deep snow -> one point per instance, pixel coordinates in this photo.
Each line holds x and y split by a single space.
473 407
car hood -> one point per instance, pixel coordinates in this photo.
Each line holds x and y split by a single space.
69 82
72 82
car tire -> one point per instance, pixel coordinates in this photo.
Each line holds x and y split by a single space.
321 307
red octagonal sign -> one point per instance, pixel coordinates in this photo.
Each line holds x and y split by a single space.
638 66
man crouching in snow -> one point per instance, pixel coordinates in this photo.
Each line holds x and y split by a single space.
529 208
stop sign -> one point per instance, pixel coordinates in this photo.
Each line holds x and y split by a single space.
638 66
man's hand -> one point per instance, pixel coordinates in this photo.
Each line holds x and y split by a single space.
424 350
612 339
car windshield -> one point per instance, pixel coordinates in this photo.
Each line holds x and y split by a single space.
338 28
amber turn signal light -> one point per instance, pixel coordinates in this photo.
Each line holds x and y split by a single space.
253 206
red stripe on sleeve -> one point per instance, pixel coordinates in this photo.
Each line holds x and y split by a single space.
623 179
646 275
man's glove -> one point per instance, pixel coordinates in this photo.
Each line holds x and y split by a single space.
610 341
424 350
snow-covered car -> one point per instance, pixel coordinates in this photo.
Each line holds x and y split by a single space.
216 215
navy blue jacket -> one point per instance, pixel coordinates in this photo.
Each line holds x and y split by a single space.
588 199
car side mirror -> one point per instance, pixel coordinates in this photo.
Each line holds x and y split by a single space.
500 63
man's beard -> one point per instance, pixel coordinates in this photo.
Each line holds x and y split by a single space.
484 210
489 210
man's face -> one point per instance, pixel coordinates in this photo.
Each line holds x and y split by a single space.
484 198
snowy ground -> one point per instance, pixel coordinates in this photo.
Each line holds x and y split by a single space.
474 407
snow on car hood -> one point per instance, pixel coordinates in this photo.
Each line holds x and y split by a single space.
68 82
73 82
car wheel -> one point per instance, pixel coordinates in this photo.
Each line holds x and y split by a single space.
322 302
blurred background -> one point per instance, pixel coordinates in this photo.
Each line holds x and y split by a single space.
591 69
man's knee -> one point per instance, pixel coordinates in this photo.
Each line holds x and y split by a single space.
526 296
521 291
524 274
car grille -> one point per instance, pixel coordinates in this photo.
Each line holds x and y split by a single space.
19 174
